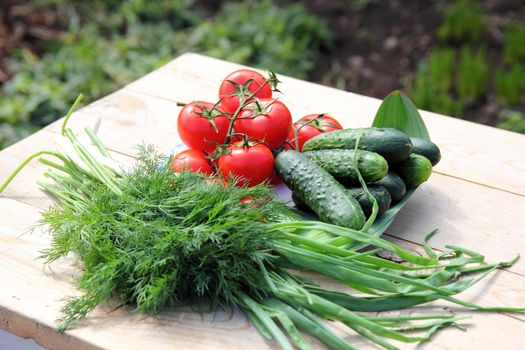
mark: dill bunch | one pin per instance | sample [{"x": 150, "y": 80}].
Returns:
[{"x": 166, "y": 239}]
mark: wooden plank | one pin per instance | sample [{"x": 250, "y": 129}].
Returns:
[
  {"x": 473, "y": 152},
  {"x": 26, "y": 311},
  {"x": 129, "y": 119},
  {"x": 23, "y": 187}
]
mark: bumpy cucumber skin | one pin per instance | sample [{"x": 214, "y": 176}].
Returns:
[
  {"x": 339, "y": 163},
  {"x": 319, "y": 190},
  {"x": 395, "y": 186},
  {"x": 426, "y": 149},
  {"x": 392, "y": 144},
  {"x": 415, "y": 170},
  {"x": 381, "y": 195}
]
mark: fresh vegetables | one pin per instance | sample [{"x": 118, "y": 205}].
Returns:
[
  {"x": 395, "y": 186},
  {"x": 380, "y": 194},
  {"x": 427, "y": 149},
  {"x": 202, "y": 126},
  {"x": 392, "y": 144},
  {"x": 310, "y": 126},
  {"x": 245, "y": 112},
  {"x": 250, "y": 164},
  {"x": 156, "y": 238},
  {"x": 319, "y": 190},
  {"x": 266, "y": 120},
  {"x": 415, "y": 170},
  {"x": 192, "y": 160},
  {"x": 245, "y": 82},
  {"x": 339, "y": 163}
]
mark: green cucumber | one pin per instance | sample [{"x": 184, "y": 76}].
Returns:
[
  {"x": 426, "y": 149},
  {"x": 381, "y": 195},
  {"x": 415, "y": 170},
  {"x": 339, "y": 163},
  {"x": 299, "y": 204},
  {"x": 395, "y": 185},
  {"x": 319, "y": 190},
  {"x": 392, "y": 144}
]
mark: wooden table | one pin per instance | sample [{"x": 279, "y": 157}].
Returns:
[{"x": 476, "y": 197}]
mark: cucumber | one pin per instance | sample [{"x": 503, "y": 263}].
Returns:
[
  {"x": 427, "y": 149},
  {"x": 392, "y": 144},
  {"x": 319, "y": 190},
  {"x": 415, "y": 170},
  {"x": 395, "y": 186},
  {"x": 381, "y": 195},
  {"x": 299, "y": 204},
  {"x": 339, "y": 163}
]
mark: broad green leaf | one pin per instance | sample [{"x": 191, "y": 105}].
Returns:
[
  {"x": 397, "y": 111},
  {"x": 381, "y": 224}
]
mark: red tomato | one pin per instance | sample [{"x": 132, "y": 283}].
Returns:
[
  {"x": 310, "y": 126},
  {"x": 231, "y": 103},
  {"x": 275, "y": 179},
  {"x": 196, "y": 129},
  {"x": 193, "y": 160},
  {"x": 246, "y": 200},
  {"x": 252, "y": 164},
  {"x": 271, "y": 127}
]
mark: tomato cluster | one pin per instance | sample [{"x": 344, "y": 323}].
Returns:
[{"x": 239, "y": 135}]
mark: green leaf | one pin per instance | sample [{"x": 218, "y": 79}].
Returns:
[
  {"x": 381, "y": 224},
  {"x": 397, "y": 111}
]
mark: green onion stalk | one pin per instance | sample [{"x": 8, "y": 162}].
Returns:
[{"x": 156, "y": 239}]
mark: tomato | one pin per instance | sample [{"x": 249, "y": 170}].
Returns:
[
  {"x": 231, "y": 103},
  {"x": 271, "y": 126},
  {"x": 246, "y": 200},
  {"x": 252, "y": 164},
  {"x": 193, "y": 160},
  {"x": 195, "y": 126},
  {"x": 310, "y": 126},
  {"x": 275, "y": 179}
]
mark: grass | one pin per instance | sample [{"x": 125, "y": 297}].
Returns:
[
  {"x": 463, "y": 21},
  {"x": 473, "y": 74},
  {"x": 459, "y": 75},
  {"x": 510, "y": 85},
  {"x": 433, "y": 81},
  {"x": 512, "y": 121},
  {"x": 514, "y": 47}
]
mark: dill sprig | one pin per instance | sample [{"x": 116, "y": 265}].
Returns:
[{"x": 167, "y": 239}]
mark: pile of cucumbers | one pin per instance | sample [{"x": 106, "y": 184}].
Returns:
[{"x": 324, "y": 179}]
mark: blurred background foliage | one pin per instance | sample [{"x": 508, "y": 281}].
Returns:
[{"x": 465, "y": 58}]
